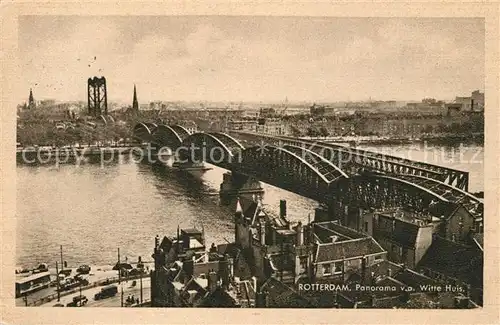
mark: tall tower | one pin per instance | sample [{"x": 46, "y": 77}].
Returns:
[
  {"x": 31, "y": 101},
  {"x": 97, "y": 96},
  {"x": 135, "y": 104}
]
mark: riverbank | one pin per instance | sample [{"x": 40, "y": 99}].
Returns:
[
  {"x": 439, "y": 139},
  {"x": 40, "y": 155}
]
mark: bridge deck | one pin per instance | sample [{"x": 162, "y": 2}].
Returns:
[{"x": 471, "y": 203}]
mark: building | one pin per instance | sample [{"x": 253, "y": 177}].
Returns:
[
  {"x": 466, "y": 102},
  {"x": 453, "y": 109},
  {"x": 186, "y": 274},
  {"x": 456, "y": 264},
  {"x": 250, "y": 114},
  {"x": 400, "y": 279},
  {"x": 317, "y": 110},
  {"x": 292, "y": 253},
  {"x": 477, "y": 101},
  {"x": 404, "y": 235},
  {"x": 271, "y": 126},
  {"x": 243, "y": 125}
]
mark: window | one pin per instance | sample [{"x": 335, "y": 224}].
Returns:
[
  {"x": 327, "y": 269},
  {"x": 366, "y": 226},
  {"x": 337, "y": 267},
  {"x": 303, "y": 263}
]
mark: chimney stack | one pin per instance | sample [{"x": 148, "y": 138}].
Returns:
[
  {"x": 282, "y": 208},
  {"x": 300, "y": 234},
  {"x": 188, "y": 266},
  {"x": 262, "y": 232},
  {"x": 212, "y": 281}
]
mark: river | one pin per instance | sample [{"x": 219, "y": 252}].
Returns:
[{"x": 93, "y": 210}]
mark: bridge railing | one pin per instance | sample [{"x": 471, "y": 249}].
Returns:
[{"x": 389, "y": 163}]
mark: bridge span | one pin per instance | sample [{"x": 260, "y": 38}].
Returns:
[
  {"x": 330, "y": 174},
  {"x": 358, "y": 158}
]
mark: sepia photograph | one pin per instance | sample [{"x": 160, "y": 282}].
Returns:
[{"x": 250, "y": 161}]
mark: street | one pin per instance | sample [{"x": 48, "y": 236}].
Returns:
[{"x": 115, "y": 301}]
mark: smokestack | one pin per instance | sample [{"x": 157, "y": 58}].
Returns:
[{"x": 282, "y": 208}]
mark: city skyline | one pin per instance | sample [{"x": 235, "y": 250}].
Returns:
[{"x": 252, "y": 59}]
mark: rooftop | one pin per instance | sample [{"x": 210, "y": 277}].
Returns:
[
  {"x": 354, "y": 248},
  {"x": 398, "y": 230},
  {"x": 326, "y": 232},
  {"x": 454, "y": 260},
  {"x": 406, "y": 216}
]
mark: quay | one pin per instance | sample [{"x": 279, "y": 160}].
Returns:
[{"x": 98, "y": 276}]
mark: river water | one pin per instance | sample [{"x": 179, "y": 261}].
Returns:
[{"x": 93, "y": 210}]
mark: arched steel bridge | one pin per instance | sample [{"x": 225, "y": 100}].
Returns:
[
  {"x": 354, "y": 158},
  {"x": 319, "y": 175}
]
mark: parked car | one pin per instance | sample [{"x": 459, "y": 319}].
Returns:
[
  {"x": 83, "y": 269},
  {"x": 78, "y": 301},
  {"x": 106, "y": 292}
]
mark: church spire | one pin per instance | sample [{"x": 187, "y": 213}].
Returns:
[
  {"x": 135, "y": 104},
  {"x": 31, "y": 100}
]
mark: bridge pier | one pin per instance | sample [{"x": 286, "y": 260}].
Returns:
[{"x": 236, "y": 185}]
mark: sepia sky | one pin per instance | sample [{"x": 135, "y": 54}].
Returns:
[{"x": 252, "y": 58}]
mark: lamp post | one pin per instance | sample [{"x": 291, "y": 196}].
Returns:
[
  {"x": 122, "y": 296},
  {"x": 141, "y": 284},
  {"x": 57, "y": 282},
  {"x": 119, "y": 267}
]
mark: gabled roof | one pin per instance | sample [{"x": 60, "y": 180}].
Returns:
[
  {"x": 454, "y": 260},
  {"x": 230, "y": 249},
  {"x": 166, "y": 244},
  {"x": 218, "y": 298},
  {"x": 254, "y": 211},
  {"x": 347, "y": 249}
]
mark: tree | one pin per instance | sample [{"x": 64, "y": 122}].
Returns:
[
  {"x": 295, "y": 131},
  {"x": 324, "y": 132},
  {"x": 312, "y": 132}
]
